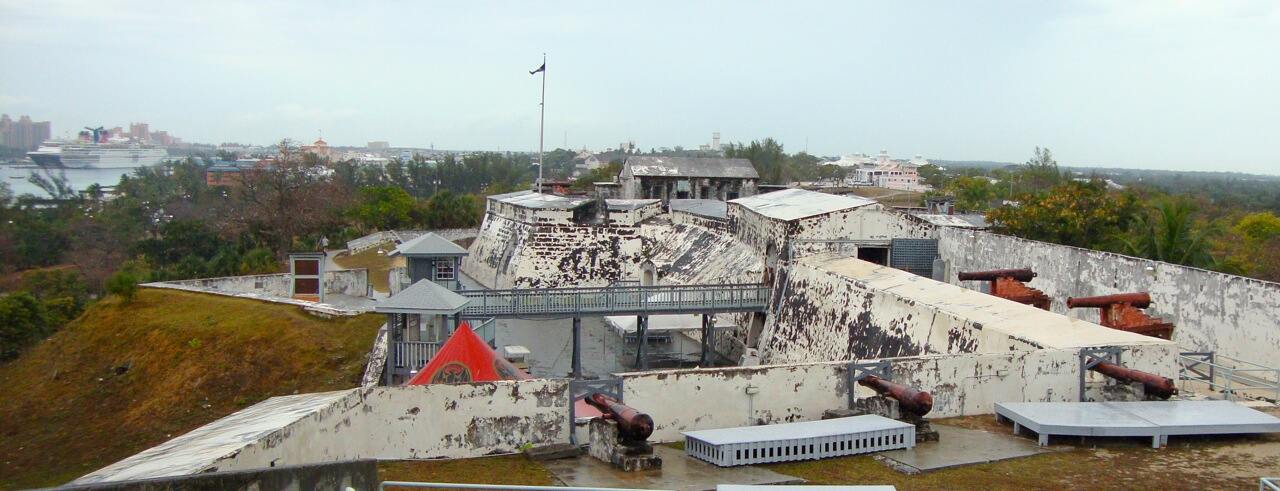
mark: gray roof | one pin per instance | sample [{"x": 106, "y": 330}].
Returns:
[
  {"x": 691, "y": 167},
  {"x": 423, "y": 297},
  {"x": 713, "y": 208},
  {"x": 794, "y": 204},
  {"x": 429, "y": 244},
  {"x": 530, "y": 199}
]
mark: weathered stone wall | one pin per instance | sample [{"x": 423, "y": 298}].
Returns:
[
  {"x": 697, "y": 399},
  {"x": 354, "y": 282},
  {"x": 685, "y": 218},
  {"x": 870, "y": 222},
  {"x": 842, "y": 308},
  {"x": 1231, "y": 315},
  {"x": 422, "y": 422},
  {"x": 513, "y": 254},
  {"x": 635, "y": 216},
  {"x": 410, "y": 422},
  {"x": 690, "y": 254}
]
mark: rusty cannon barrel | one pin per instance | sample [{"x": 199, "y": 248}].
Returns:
[
  {"x": 632, "y": 424},
  {"x": 1139, "y": 299},
  {"x": 1020, "y": 274},
  {"x": 1153, "y": 384},
  {"x": 914, "y": 401}
]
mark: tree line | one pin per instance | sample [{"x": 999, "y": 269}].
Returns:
[
  {"x": 166, "y": 223},
  {"x": 1186, "y": 225}
]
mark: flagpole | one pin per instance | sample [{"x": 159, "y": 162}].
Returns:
[{"x": 542, "y": 119}]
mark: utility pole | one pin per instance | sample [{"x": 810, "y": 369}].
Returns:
[{"x": 542, "y": 119}]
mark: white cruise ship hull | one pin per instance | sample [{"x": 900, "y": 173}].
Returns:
[{"x": 98, "y": 156}]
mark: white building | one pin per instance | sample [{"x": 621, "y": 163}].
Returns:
[{"x": 882, "y": 171}]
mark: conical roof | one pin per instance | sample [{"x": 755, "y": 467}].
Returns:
[{"x": 466, "y": 358}]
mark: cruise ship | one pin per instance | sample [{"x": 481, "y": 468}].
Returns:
[
  {"x": 96, "y": 151},
  {"x": 80, "y": 155}
]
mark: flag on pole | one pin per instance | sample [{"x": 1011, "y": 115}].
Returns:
[{"x": 542, "y": 68}]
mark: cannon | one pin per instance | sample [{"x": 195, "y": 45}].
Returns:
[
  {"x": 1153, "y": 384},
  {"x": 1121, "y": 311},
  {"x": 1140, "y": 300},
  {"x": 633, "y": 425},
  {"x": 1009, "y": 284},
  {"x": 910, "y": 400}
]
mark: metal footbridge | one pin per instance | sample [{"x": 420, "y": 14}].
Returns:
[{"x": 615, "y": 300}]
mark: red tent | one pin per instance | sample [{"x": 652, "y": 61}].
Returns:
[{"x": 466, "y": 358}]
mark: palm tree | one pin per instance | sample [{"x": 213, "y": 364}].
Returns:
[{"x": 1168, "y": 233}]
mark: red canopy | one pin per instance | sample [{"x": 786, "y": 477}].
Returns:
[{"x": 466, "y": 358}]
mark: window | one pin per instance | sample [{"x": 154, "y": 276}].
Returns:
[{"x": 444, "y": 269}]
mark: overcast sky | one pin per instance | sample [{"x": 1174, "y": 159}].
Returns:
[{"x": 1161, "y": 84}]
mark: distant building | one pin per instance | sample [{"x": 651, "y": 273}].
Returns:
[
  {"x": 231, "y": 174},
  {"x": 668, "y": 178},
  {"x": 23, "y": 134},
  {"x": 884, "y": 172},
  {"x": 140, "y": 132},
  {"x": 589, "y": 163},
  {"x": 319, "y": 148}
]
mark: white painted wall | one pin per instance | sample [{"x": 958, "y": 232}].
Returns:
[
  {"x": 1231, "y": 315},
  {"x": 830, "y": 308},
  {"x": 395, "y": 423},
  {"x": 967, "y": 384}
]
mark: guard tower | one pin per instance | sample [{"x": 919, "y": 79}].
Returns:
[
  {"x": 418, "y": 322},
  {"x": 434, "y": 258}
]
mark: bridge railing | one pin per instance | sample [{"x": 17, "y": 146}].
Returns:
[{"x": 617, "y": 299}]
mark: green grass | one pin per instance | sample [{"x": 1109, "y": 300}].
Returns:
[
  {"x": 504, "y": 469},
  {"x": 70, "y": 405},
  {"x": 379, "y": 265}
]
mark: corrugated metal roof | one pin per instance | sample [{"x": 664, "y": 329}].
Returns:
[
  {"x": 713, "y": 208},
  {"x": 423, "y": 297},
  {"x": 530, "y": 199},
  {"x": 429, "y": 244},
  {"x": 793, "y": 204},
  {"x": 691, "y": 167}
]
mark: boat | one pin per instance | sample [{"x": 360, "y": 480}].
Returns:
[{"x": 95, "y": 150}]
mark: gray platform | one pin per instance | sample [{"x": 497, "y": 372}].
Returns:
[
  {"x": 1156, "y": 419},
  {"x": 799, "y": 441}
]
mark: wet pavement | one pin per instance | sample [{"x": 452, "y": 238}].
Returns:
[
  {"x": 959, "y": 446},
  {"x": 678, "y": 472}
]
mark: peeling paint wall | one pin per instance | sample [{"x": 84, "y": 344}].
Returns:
[
  {"x": 421, "y": 422},
  {"x": 410, "y": 422},
  {"x": 841, "y": 308},
  {"x": 1231, "y": 315},
  {"x": 690, "y": 254},
  {"x": 685, "y": 218},
  {"x": 697, "y": 399},
  {"x": 870, "y": 222},
  {"x": 354, "y": 282},
  {"x": 515, "y": 254}
]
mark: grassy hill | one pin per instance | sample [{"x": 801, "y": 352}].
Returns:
[{"x": 123, "y": 378}]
